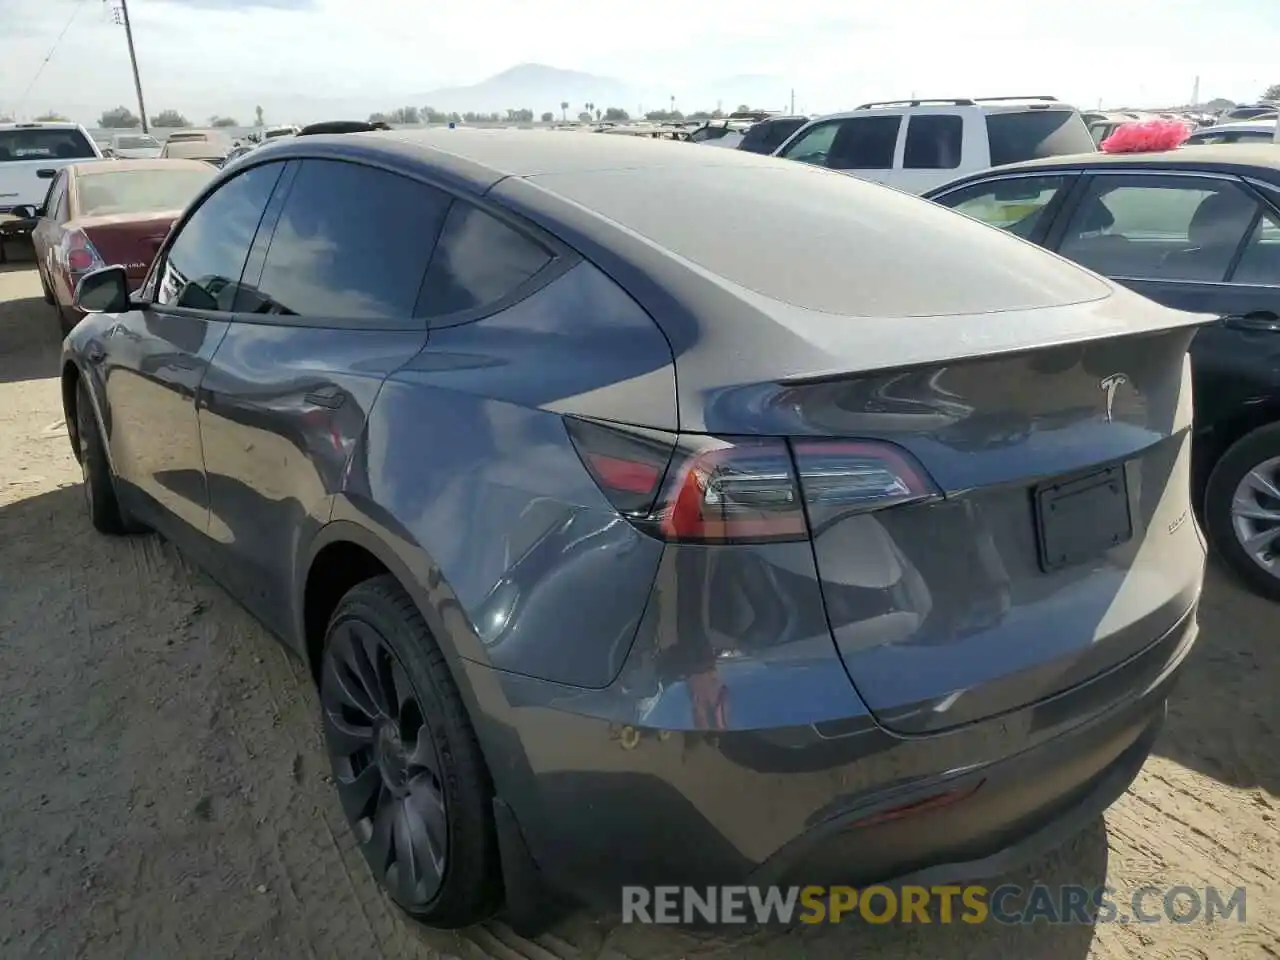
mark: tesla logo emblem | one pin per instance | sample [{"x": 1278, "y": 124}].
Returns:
[{"x": 1109, "y": 386}]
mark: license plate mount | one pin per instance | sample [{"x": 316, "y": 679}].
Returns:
[{"x": 1080, "y": 518}]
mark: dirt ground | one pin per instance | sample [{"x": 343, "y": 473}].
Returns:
[{"x": 163, "y": 790}]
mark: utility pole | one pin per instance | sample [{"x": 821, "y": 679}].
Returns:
[
  {"x": 793, "y": 101},
  {"x": 133, "y": 61},
  {"x": 1195, "y": 93}
]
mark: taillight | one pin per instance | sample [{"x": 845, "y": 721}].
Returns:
[
  {"x": 698, "y": 489},
  {"x": 79, "y": 254},
  {"x": 839, "y": 477}
]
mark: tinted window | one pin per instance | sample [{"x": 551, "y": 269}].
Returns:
[
  {"x": 1260, "y": 262},
  {"x": 851, "y": 249},
  {"x": 708, "y": 133},
  {"x": 1016, "y": 204},
  {"x": 857, "y": 143},
  {"x": 136, "y": 142},
  {"x": 1235, "y": 136},
  {"x": 933, "y": 142},
  {"x": 203, "y": 265},
  {"x": 478, "y": 261},
  {"x": 351, "y": 243},
  {"x": 139, "y": 191},
  {"x": 54, "y": 200},
  {"x": 1151, "y": 227},
  {"x": 769, "y": 135},
  {"x": 1027, "y": 135},
  {"x": 41, "y": 144}
]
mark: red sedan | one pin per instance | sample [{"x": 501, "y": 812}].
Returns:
[{"x": 107, "y": 212}]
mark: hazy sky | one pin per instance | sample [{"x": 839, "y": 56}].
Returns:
[{"x": 226, "y": 55}]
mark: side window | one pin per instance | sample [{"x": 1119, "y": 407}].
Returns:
[
  {"x": 864, "y": 143},
  {"x": 55, "y": 201},
  {"x": 203, "y": 265},
  {"x": 1148, "y": 227},
  {"x": 352, "y": 243},
  {"x": 812, "y": 145},
  {"x": 1260, "y": 262},
  {"x": 1017, "y": 204},
  {"x": 478, "y": 261},
  {"x": 933, "y": 142}
]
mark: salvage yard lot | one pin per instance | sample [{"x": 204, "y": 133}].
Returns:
[{"x": 163, "y": 790}]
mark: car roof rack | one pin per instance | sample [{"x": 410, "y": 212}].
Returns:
[
  {"x": 342, "y": 126},
  {"x": 942, "y": 101},
  {"x": 1038, "y": 96}
]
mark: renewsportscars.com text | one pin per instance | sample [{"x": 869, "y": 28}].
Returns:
[{"x": 1008, "y": 904}]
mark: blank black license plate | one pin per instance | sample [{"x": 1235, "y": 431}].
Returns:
[{"x": 1079, "y": 519}]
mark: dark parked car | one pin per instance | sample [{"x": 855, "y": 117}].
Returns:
[
  {"x": 107, "y": 212},
  {"x": 1198, "y": 229},
  {"x": 768, "y": 135},
  {"x": 628, "y": 546}
]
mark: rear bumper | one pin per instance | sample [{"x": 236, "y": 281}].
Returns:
[{"x": 601, "y": 805}]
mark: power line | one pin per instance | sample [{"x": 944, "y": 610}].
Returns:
[{"x": 52, "y": 50}]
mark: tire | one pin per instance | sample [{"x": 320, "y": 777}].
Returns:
[
  {"x": 405, "y": 760},
  {"x": 105, "y": 512},
  {"x": 65, "y": 323},
  {"x": 1258, "y": 451}
]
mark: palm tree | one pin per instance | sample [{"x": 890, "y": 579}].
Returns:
[{"x": 564, "y": 110}]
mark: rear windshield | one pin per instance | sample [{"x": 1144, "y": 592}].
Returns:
[
  {"x": 136, "y": 143},
  {"x": 271, "y": 134},
  {"x": 825, "y": 242},
  {"x": 186, "y": 137},
  {"x": 768, "y": 136},
  {"x": 1030, "y": 135},
  {"x": 44, "y": 145},
  {"x": 138, "y": 191}
]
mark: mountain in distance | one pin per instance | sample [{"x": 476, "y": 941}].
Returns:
[{"x": 535, "y": 87}]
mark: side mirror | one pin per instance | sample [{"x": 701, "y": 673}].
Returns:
[
  {"x": 103, "y": 291},
  {"x": 47, "y": 173},
  {"x": 25, "y": 211}
]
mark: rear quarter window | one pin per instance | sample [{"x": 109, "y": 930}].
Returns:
[{"x": 1020, "y": 135}]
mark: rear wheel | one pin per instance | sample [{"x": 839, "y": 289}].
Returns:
[
  {"x": 405, "y": 759},
  {"x": 1242, "y": 510},
  {"x": 105, "y": 512}
]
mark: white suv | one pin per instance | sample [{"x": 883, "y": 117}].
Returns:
[{"x": 915, "y": 145}]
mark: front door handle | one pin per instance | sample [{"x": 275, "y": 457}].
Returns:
[{"x": 1258, "y": 321}]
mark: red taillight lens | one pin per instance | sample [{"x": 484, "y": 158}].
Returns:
[
  {"x": 627, "y": 464},
  {"x": 839, "y": 477},
  {"x": 698, "y": 489},
  {"x": 79, "y": 253},
  {"x": 742, "y": 490}
]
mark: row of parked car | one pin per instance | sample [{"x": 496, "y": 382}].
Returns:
[{"x": 595, "y": 508}]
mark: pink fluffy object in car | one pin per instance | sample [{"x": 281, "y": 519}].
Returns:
[{"x": 1143, "y": 136}]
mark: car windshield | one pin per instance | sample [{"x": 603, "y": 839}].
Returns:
[
  {"x": 136, "y": 143},
  {"x": 1032, "y": 134},
  {"x": 37, "y": 144},
  {"x": 272, "y": 134},
  {"x": 138, "y": 191},
  {"x": 186, "y": 137}
]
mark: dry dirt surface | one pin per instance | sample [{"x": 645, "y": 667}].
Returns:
[{"x": 163, "y": 792}]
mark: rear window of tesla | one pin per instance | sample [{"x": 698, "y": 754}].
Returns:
[
  {"x": 44, "y": 145},
  {"x": 138, "y": 191},
  {"x": 826, "y": 241},
  {"x": 1033, "y": 134}
]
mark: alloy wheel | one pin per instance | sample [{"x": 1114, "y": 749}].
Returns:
[
  {"x": 385, "y": 763},
  {"x": 1255, "y": 515}
]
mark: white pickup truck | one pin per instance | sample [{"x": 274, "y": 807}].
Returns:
[{"x": 28, "y": 148}]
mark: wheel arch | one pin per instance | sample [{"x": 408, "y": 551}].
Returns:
[
  {"x": 70, "y": 403},
  {"x": 1223, "y": 435}
]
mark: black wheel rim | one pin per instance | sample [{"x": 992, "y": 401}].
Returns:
[{"x": 385, "y": 763}]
